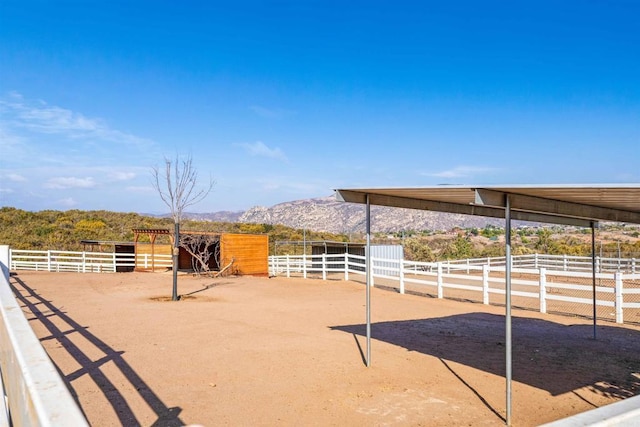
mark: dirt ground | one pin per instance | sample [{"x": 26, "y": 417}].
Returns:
[{"x": 261, "y": 352}]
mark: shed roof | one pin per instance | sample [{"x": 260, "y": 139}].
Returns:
[{"x": 579, "y": 205}]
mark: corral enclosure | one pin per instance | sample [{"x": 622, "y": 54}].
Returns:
[{"x": 258, "y": 351}]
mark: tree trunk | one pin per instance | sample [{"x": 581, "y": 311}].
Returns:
[{"x": 176, "y": 253}]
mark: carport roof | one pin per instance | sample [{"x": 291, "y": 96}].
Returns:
[{"x": 580, "y": 205}]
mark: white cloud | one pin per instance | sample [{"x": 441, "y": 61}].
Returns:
[
  {"x": 62, "y": 183},
  {"x": 462, "y": 172},
  {"x": 16, "y": 178},
  {"x": 7, "y": 138},
  {"x": 122, "y": 176},
  {"x": 6, "y": 190},
  {"x": 46, "y": 119},
  {"x": 259, "y": 149}
]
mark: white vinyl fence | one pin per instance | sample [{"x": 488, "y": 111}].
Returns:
[
  {"x": 545, "y": 283},
  {"x": 84, "y": 262},
  {"x": 33, "y": 392},
  {"x": 560, "y": 262}
]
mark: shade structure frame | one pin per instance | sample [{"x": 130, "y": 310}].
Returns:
[{"x": 583, "y": 206}]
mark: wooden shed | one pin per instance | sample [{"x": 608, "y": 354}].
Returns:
[{"x": 249, "y": 252}]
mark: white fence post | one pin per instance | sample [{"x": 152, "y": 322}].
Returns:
[
  {"x": 346, "y": 266},
  {"x": 84, "y": 262},
  {"x": 633, "y": 266},
  {"x": 304, "y": 266},
  {"x": 564, "y": 262},
  {"x": 5, "y": 261},
  {"x": 543, "y": 290},
  {"x": 288, "y": 266},
  {"x": 485, "y": 284},
  {"x": 324, "y": 266},
  {"x": 372, "y": 271},
  {"x": 401, "y": 273},
  {"x": 49, "y": 260},
  {"x": 535, "y": 260},
  {"x": 619, "y": 297},
  {"x": 440, "y": 280}
]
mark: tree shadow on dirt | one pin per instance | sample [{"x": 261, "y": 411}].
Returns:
[
  {"x": 546, "y": 355},
  {"x": 60, "y": 327}
]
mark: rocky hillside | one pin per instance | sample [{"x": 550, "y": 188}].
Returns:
[{"x": 327, "y": 214}]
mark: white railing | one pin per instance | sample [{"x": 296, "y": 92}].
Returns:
[
  {"x": 621, "y": 413},
  {"x": 33, "y": 391},
  {"x": 561, "y": 262},
  {"x": 84, "y": 262},
  {"x": 543, "y": 284}
]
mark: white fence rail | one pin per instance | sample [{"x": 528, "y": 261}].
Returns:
[
  {"x": 560, "y": 262},
  {"x": 33, "y": 392},
  {"x": 84, "y": 262},
  {"x": 544, "y": 283}
]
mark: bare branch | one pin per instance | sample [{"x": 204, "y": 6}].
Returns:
[
  {"x": 201, "y": 247},
  {"x": 177, "y": 185}
]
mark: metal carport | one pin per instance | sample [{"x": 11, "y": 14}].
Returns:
[{"x": 579, "y": 205}]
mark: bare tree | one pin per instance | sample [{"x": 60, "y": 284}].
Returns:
[
  {"x": 177, "y": 185},
  {"x": 201, "y": 247}
]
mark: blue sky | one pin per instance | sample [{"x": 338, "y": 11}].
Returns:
[{"x": 285, "y": 100}]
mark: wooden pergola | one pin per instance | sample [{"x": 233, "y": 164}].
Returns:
[{"x": 153, "y": 234}]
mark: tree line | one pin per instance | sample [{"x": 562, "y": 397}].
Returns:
[{"x": 64, "y": 230}]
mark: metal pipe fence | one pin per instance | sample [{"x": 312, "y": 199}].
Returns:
[{"x": 546, "y": 283}]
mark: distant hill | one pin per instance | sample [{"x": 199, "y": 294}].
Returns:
[
  {"x": 220, "y": 216},
  {"x": 329, "y": 215}
]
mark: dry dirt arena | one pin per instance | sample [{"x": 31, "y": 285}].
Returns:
[{"x": 262, "y": 352}]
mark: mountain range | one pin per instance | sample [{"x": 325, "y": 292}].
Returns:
[{"x": 329, "y": 215}]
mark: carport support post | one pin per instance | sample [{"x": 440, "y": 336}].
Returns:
[
  {"x": 368, "y": 280},
  {"x": 507, "y": 296},
  {"x": 593, "y": 275}
]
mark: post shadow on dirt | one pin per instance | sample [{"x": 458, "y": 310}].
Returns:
[
  {"x": 44, "y": 311},
  {"x": 547, "y": 355}
]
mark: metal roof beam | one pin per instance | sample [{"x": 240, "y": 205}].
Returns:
[
  {"x": 552, "y": 207},
  {"x": 456, "y": 208}
]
